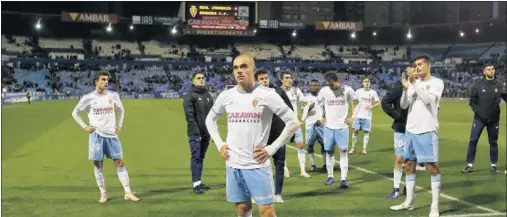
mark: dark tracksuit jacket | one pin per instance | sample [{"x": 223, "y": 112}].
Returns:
[
  {"x": 277, "y": 126},
  {"x": 197, "y": 104},
  {"x": 391, "y": 106},
  {"x": 485, "y": 98}
]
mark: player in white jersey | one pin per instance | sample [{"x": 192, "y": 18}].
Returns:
[
  {"x": 367, "y": 100},
  {"x": 422, "y": 98},
  {"x": 103, "y": 132},
  {"x": 250, "y": 110},
  {"x": 312, "y": 117},
  {"x": 295, "y": 95},
  {"x": 336, "y": 99}
]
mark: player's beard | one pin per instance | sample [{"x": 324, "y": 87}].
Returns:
[{"x": 314, "y": 91}]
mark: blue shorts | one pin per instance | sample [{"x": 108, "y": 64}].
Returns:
[
  {"x": 99, "y": 146},
  {"x": 340, "y": 137},
  {"x": 361, "y": 124},
  {"x": 299, "y": 136},
  {"x": 241, "y": 184},
  {"x": 422, "y": 148},
  {"x": 313, "y": 133},
  {"x": 399, "y": 144}
]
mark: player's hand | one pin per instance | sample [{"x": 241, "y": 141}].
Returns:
[
  {"x": 323, "y": 121},
  {"x": 404, "y": 81},
  {"x": 224, "y": 152},
  {"x": 117, "y": 131},
  {"x": 90, "y": 129},
  {"x": 367, "y": 107},
  {"x": 348, "y": 120},
  {"x": 261, "y": 155},
  {"x": 301, "y": 122}
]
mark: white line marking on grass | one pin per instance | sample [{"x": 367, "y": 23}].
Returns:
[
  {"x": 492, "y": 211},
  {"x": 476, "y": 214}
]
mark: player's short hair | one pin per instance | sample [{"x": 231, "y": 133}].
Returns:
[
  {"x": 366, "y": 77},
  {"x": 285, "y": 73},
  {"x": 100, "y": 74},
  {"x": 197, "y": 73},
  {"x": 427, "y": 59},
  {"x": 487, "y": 65},
  {"x": 315, "y": 80},
  {"x": 412, "y": 65},
  {"x": 258, "y": 73},
  {"x": 331, "y": 76}
]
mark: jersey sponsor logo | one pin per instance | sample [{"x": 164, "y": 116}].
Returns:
[
  {"x": 103, "y": 110},
  {"x": 333, "y": 102},
  {"x": 244, "y": 117}
]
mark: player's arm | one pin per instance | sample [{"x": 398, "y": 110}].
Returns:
[
  {"x": 474, "y": 97},
  {"x": 503, "y": 92},
  {"x": 121, "y": 111},
  {"x": 301, "y": 97},
  {"x": 276, "y": 105},
  {"x": 431, "y": 96},
  {"x": 352, "y": 100},
  {"x": 188, "y": 107},
  {"x": 211, "y": 120},
  {"x": 389, "y": 100},
  {"x": 82, "y": 105},
  {"x": 306, "y": 109},
  {"x": 320, "y": 102},
  {"x": 376, "y": 100}
]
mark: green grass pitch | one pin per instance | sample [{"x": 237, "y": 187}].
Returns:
[{"x": 45, "y": 171}]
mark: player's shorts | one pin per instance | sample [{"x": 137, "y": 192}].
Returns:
[
  {"x": 340, "y": 137},
  {"x": 99, "y": 146},
  {"x": 241, "y": 184},
  {"x": 399, "y": 144},
  {"x": 422, "y": 148},
  {"x": 313, "y": 133},
  {"x": 299, "y": 136},
  {"x": 361, "y": 124}
]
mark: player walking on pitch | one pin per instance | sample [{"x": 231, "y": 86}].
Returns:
[
  {"x": 295, "y": 95},
  {"x": 367, "y": 100},
  {"x": 336, "y": 99},
  {"x": 250, "y": 110},
  {"x": 391, "y": 105},
  {"x": 422, "y": 98},
  {"x": 312, "y": 117},
  {"x": 104, "y": 130}
]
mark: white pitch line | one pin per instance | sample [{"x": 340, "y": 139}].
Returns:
[
  {"x": 492, "y": 211},
  {"x": 477, "y": 214}
]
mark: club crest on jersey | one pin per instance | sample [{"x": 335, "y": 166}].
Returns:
[
  {"x": 427, "y": 87},
  {"x": 110, "y": 101},
  {"x": 255, "y": 102},
  {"x": 193, "y": 11}
]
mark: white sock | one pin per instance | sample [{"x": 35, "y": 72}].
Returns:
[
  {"x": 99, "y": 176},
  {"x": 397, "y": 173},
  {"x": 354, "y": 140},
  {"x": 493, "y": 165},
  {"x": 410, "y": 184},
  {"x": 124, "y": 178},
  {"x": 435, "y": 190},
  {"x": 330, "y": 165},
  {"x": 366, "y": 139},
  {"x": 312, "y": 158},
  {"x": 344, "y": 164},
  {"x": 197, "y": 183},
  {"x": 302, "y": 159},
  {"x": 286, "y": 168},
  {"x": 471, "y": 165}
]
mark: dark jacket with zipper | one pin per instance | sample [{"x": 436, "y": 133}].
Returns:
[
  {"x": 277, "y": 124},
  {"x": 197, "y": 104},
  {"x": 485, "y": 98},
  {"x": 391, "y": 106}
]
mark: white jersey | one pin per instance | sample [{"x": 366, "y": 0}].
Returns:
[
  {"x": 336, "y": 107},
  {"x": 249, "y": 118},
  {"x": 312, "y": 112},
  {"x": 295, "y": 95},
  {"x": 365, "y": 99},
  {"x": 422, "y": 99},
  {"x": 101, "y": 114}
]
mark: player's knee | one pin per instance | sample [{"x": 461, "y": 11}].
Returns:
[
  {"x": 244, "y": 208},
  {"x": 432, "y": 169},
  {"x": 356, "y": 131},
  {"x": 98, "y": 164},
  {"x": 267, "y": 210},
  {"x": 474, "y": 141},
  {"x": 310, "y": 149},
  {"x": 119, "y": 162},
  {"x": 300, "y": 145}
]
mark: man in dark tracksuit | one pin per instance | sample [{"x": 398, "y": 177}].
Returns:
[
  {"x": 391, "y": 106},
  {"x": 197, "y": 104},
  {"x": 277, "y": 126},
  {"x": 485, "y": 98}
]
